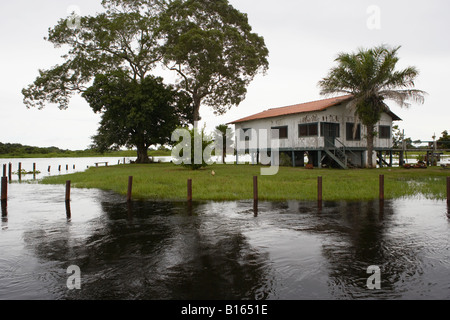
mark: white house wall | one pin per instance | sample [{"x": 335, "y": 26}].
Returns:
[{"x": 337, "y": 114}]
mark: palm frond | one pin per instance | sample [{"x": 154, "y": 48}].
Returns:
[
  {"x": 370, "y": 76},
  {"x": 401, "y": 79},
  {"x": 403, "y": 97}
]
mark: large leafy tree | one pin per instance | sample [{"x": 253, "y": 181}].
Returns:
[
  {"x": 211, "y": 47},
  {"x": 370, "y": 75},
  {"x": 136, "y": 113},
  {"x": 209, "y": 44},
  {"x": 120, "y": 39}
]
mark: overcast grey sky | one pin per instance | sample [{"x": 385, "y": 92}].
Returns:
[{"x": 303, "y": 38}]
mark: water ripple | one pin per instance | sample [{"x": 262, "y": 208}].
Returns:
[{"x": 220, "y": 250}]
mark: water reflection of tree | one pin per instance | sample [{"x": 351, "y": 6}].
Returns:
[
  {"x": 354, "y": 236},
  {"x": 154, "y": 251},
  {"x": 358, "y": 236}
]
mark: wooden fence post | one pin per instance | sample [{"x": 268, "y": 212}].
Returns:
[
  {"x": 4, "y": 190},
  {"x": 68, "y": 211},
  {"x": 68, "y": 191},
  {"x": 4, "y": 196},
  {"x": 4, "y": 170},
  {"x": 319, "y": 192},
  {"x": 255, "y": 195},
  {"x": 130, "y": 189},
  {"x": 10, "y": 172},
  {"x": 448, "y": 191},
  {"x": 189, "y": 190},
  {"x": 4, "y": 209},
  {"x": 381, "y": 187}
]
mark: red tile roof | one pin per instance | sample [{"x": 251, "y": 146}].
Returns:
[
  {"x": 319, "y": 105},
  {"x": 298, "y": 108}
]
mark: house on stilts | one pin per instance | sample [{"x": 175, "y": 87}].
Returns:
[{"x": 321, "y": 133}]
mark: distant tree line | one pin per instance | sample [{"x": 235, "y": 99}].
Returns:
[
  {"x": 444, "y": 141},
  {"x": 398, "y": 137},
  {"x": 17, "y": 148}
]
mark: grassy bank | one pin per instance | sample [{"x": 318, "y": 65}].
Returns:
[{"x": 231, "y": 182}]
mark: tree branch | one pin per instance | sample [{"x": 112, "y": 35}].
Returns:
[{"x": 180, "y": 72}]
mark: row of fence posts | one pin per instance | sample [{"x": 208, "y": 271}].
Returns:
[
  {"x": 9, "y": 171},
  {"x": 256, "y": 197},
  {"x": 4, "y": 193},
  {"x": 7, "y": 177},
  {"x": 19, "y": 172}
]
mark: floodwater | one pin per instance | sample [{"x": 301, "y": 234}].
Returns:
[
  {"x": 219, "y": 250},
  {"x": 58, "y": 166}
]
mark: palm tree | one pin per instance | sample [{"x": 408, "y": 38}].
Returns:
[
  {"x": 224, "y": 133},
  {"x": 370, "y": 76}
]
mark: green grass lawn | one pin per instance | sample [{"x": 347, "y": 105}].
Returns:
[{"x": 235, "y": 182}]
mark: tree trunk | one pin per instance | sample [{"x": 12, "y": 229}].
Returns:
[
  {"x": 370, "y": 136},
  {"x": 196, "y": 114},
  {"x": 142, "y": 155}
]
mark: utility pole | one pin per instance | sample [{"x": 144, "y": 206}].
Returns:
[{"x": 402, "y": 153}]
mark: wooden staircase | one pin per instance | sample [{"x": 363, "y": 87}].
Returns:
[{"x": 338, "y": 153}]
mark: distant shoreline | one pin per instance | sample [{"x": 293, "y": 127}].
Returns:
[{"x": 83, "y": 154}]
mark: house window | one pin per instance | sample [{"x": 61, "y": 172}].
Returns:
[
  {"x": 384, "y": 132},
  {"x": 282, "y": 132},
  {"x": 328, "y": 129},
  {"x": 350, "y": 134},
  {"x": 308, "y": 130},
  {"x": 246, "y": 134}
]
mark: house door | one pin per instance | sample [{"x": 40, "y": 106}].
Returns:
[{"x": 330, "y": 131}]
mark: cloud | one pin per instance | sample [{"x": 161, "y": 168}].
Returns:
[{"x": 303, "y": 37}]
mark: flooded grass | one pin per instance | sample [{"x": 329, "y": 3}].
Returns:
[{"x": 234, "y": 182}]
